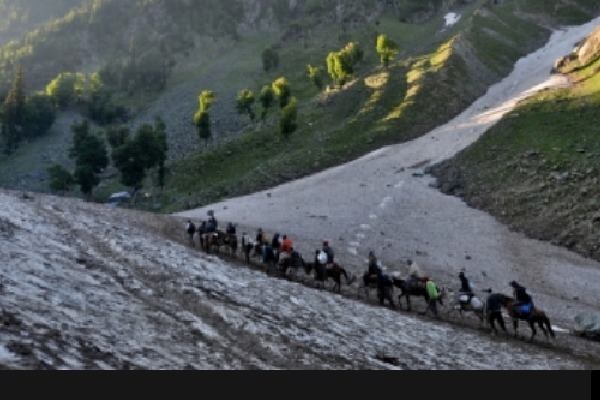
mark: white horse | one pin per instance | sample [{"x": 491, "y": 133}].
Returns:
[{"x": 461, "y": 303}]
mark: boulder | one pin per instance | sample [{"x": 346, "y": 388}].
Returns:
[{"x": 587, "y": 325}]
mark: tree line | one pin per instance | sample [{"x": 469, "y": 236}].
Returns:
[
  {"x": 23, "y": 117},
  {"x": 133, "y": 155}
]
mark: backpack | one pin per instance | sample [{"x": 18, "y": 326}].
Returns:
[{"x": 432, "y": 291}]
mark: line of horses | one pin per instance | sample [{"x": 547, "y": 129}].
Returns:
[
  {"x": 214, "y": 242},
  {"x": 471, "y": 304}
]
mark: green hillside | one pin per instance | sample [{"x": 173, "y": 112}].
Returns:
[
  {"x": 17, "y": 17},
  {"x": 537, "y": 170}
]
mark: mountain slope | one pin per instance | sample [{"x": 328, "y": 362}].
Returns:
[
  {"x": 537, "y": 170},
  {"x": 21, "y": 16},
  {"x": 440, "y": 70}
]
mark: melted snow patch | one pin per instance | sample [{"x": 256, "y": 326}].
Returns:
[{"x": 451, "y": 18}]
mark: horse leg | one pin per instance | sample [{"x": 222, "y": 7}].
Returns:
[
  {"x": 366, "y": 287},
  {"x": 389, "y": 294},
  {"x": 492, "y": 322},
  {"x": 543, "y": 328},
  {"x": 546, "y": 321},
  {"x": 515, "y": 326},
  {"x": 406, "y": 298},
  {"x": 380, "y": 296},
  {"x": 533, "y": 330},
  {"x": 247, "y": 250},
  {"x": 337, "y": 287}
]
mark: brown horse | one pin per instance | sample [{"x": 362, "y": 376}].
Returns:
[
  {"x": 408, "y": 289},
  {"x": 213, "y": 241},
  {"x": 535, "y": 317},
  {"x": 324, "y": 272},
  {"x": 229, "y": 240},
  {"x": 289, "y": 266}
]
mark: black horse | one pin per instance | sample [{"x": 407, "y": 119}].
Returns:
[
  {"x": 408, "y": 289},
  {"x": 324, "y": 272},
  {"x": 384, "y": 286},
  {"x": 536, "y": 316},
  {"x": 290, "y": 265}
]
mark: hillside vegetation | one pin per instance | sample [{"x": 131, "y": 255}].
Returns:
[
  {"x": 538, "y": 169},
  {"x": 439, "y": 70}
]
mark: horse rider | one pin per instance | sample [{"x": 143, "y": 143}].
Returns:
[
  {"x": 285, "y": 249},
  {"x": 494, "y": 311},
  {"x": 202, "y": 230},
  {"x": 212, "y": 220},
  {"x": 230, "y": 230},
  {"x": 258, "y": 241},
  {"x": 211, "y": 225},
  {"x": 524, "y": 303},
  {"x": 327, "y": 250},
  {"x": 373, "y": 268},
  {"x": 259, "y": 236},
  {"x": 465, "y": 287},
  {"x": 414, "y": 273},
  {"x": 276, "y": 244}
]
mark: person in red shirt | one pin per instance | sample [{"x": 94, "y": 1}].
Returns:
[{"x": 285, "y": 249}]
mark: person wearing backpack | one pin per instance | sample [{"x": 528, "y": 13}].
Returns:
[
  {"x": 432, "y": 297},
  {"x": 466, "y": 289},
  {"x": 524, "y": 302},
  {"x": 494, "y": 311}
]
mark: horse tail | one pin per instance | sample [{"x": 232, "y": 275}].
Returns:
[
  {"x": 343, "y": 272},
  {"x": 549, "y": 326}
]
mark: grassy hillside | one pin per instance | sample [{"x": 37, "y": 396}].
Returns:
[
  {"x": 432, "y": 80},
  {"x": 18, "y": 17},
  {"x": 537, "y": 170}
]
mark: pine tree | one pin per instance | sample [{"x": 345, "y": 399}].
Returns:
[{"x": 12, "y": 115}]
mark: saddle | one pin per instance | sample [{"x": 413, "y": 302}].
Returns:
[
  {"x": 416, "y": 285},
  {"x": 465, "y": 298},
  {"x": 523, "y": 311}
]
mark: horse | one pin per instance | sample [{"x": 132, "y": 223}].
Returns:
[
  {"x": 384, "y": 286},
  {"x": 408, "y": 289},
  {"x": 324, "y": 272},
  {"x": 463, "y": 304},
  {"x": 536, "y": 316},
  {"x": 292, "y": 263},
  {"x": 230, "y": 240},
  {"x": 212, "y": 242}
]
